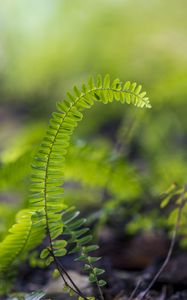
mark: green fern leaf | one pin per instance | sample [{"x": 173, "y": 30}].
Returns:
[{"x": 46, "y": 199}]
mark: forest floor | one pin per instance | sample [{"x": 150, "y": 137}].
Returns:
[{"x": 130, "y": 263}]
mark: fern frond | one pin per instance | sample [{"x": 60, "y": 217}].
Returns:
[
  {"x": 81, "y": 239},
  {"x": 46, "y": 203},
  {"x": 49, "y": 163},
  {"x": 23, "y": 237}
]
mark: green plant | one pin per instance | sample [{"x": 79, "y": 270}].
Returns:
[
  {"x": 179, "y": 198},
  {"x": 48, "y": 214}
]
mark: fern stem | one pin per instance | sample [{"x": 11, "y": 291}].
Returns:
[
  {"x": 100, "y": 292},
  {"x": 72, "y": 282},
  {"x": 75, "y": 289},
  {"x": 62, "y": 270},
  {"x": 97, "y": 284}
]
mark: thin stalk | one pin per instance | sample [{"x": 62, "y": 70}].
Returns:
[
  {"x": 70, "y": 279},
  {"x": 100, "y": 292},
  {"x": 97, "y": 283},
  {"x": 63, "y": 272},
  {"x": 173, "y": 241},
  {"x": 135, "y": 290}
]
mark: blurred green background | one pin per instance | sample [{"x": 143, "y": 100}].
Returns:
[{"x": 46, "y": 47}]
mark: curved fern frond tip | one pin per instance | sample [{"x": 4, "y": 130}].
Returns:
[
  {"x": 48, "y": 166},
  {"x": 46, "y": 199}
]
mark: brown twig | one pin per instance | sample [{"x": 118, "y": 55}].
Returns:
[
  {"x": 135, "y": 290},
  {"x": 173, "y": 241}
]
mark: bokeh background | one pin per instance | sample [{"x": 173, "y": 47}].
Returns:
[{"x": 46, "y": 47}]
